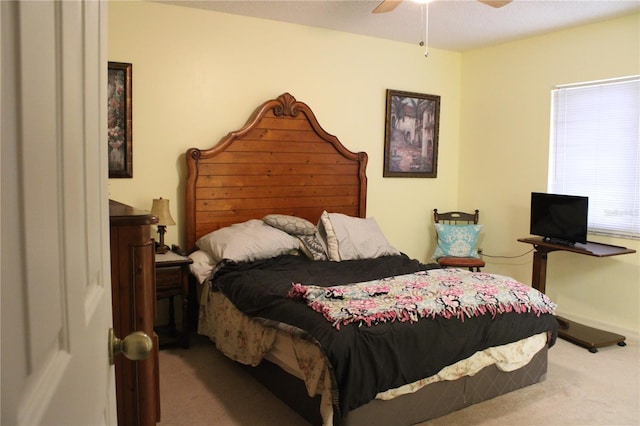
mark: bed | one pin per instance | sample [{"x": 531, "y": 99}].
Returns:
[{"x": 296, "y": 283}]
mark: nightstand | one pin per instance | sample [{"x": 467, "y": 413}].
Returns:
[{"x": 172, "y": 279}]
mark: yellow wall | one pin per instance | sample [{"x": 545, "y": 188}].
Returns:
[
  {"x": 198, "y": 75},
  {"x": 506, "y": 93}
]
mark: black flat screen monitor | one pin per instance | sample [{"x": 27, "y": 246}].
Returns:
[{"x": 559, "y": 218}]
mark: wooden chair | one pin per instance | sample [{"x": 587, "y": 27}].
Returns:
[{"x": 458, "y": 218}]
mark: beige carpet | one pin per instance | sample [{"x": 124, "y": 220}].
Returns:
[{"x": 199, "y": 386}]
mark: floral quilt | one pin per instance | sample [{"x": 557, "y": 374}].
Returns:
[{"x": 440, "y": 292}]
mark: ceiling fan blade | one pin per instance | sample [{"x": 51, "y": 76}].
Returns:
[
  {"x": 387, "y": 6},
  {"x": 495, "y": 3}
]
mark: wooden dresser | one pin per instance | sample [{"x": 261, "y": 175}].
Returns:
[{"x": 133, "y": 293}]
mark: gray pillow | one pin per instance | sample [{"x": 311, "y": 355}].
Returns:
[
  {"x": 312, "y": 247},
  {"x": 350, "y": 237},
  {"x": 250, "y": 240},
  {"x": 290, "y": 224}
]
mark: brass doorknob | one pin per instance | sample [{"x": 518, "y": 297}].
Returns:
[{"x": 136, "y": 346}]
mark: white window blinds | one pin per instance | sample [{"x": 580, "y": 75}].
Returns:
[{"x": 595, "y": 151}]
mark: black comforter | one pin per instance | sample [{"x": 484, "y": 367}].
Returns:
[{"x": 367, "y": 360}]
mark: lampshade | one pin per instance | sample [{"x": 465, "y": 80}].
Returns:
[{"x": 160, "y": 209}]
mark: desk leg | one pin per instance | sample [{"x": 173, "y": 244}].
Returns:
[{"x": 539, "y": 278}]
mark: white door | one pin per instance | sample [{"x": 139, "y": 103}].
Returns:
[{"x": 56, "y": 292}]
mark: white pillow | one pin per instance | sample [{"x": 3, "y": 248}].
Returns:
[
  {"x": 202, "y": 265},
  {"x": 355, "y": 238},
  {"x": 247, "y": 241}
]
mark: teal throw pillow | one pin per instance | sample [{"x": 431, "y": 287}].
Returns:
[{"x": 457, "y": 240}]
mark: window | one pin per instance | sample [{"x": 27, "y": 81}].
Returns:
[{"x": 595, "y": 151}]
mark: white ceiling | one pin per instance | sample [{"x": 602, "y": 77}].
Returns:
[{"x": 456, "y": 25}]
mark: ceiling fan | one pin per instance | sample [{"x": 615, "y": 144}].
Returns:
[{"x": 389, "y": 5}]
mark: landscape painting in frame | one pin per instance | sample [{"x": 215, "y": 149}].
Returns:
[
  {"x": 411, "y": 135},
  {"x": 119, "y": 120}
]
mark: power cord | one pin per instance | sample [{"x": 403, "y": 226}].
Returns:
[{"x": 482, "y": 253}]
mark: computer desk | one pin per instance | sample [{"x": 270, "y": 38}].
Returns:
[{"x": 585, "y": 336}]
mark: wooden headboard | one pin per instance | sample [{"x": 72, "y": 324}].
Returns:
[{"x": 281, "y": 161}]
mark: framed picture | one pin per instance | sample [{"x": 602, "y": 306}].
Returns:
[
  {"x": 411, "y": 135},
  {"x": 119, "y": 120}
]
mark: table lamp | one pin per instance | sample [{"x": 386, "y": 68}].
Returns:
[{"x": 160, "y": 209}]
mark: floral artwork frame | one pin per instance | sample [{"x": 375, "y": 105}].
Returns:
[
  {"x": 120, "y": 147},
  {"x": 411, "y": 134}
]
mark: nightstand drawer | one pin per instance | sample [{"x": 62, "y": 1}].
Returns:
[{"x": 168, "y": 278}]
